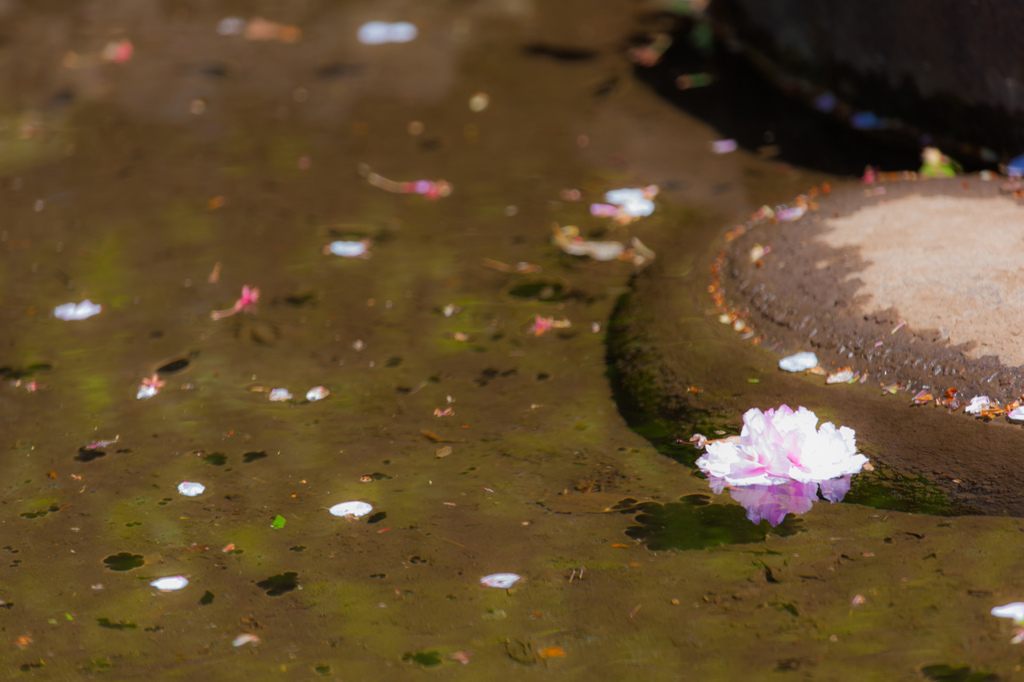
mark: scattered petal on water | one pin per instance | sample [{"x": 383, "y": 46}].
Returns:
[
  {"x": 349, "y": 249},
  {"x": 1014, "y": 610},
  {"x": 317, "y": 393},
  {"x": 353, "y": 509},
  {"x": 79, "y": 311},
  {"x": 170, "y": 584},
  {"x": 245, "y": 638},
  {"x": 1016, "y": 413},
  {"x": 191, "y": 489},
  {"x": 278, "y": 395},
  {"x": 460, "y": 657},
  {"x": 146, "y": 392},
  {"x": 799, "y": 362},
  {"x": 500, "y": 580},
  {"x": 381, "y": 32},
  {"x": 231, "y": 26}
]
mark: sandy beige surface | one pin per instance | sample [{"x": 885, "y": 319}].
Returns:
[{"x": 955, "y": 264}]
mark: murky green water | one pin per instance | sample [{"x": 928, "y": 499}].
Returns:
[{"x": 133, "y": 183}]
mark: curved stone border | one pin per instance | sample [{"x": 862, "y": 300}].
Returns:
[{"x": 777, "y": 283}]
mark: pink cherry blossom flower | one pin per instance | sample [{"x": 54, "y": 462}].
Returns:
[
  {"x": 781, "y": 445},
  {"x": 780, "y": 462},
  {"x": 246, "y": 303}
]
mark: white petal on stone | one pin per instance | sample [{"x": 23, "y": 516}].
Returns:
[
  {"x": 79, "y": 311},
  {"x": 146, "y": 391},
  {"x": 280, "y": 395},
  {"x": 723, "y": 146},
  {"x": 500, "y": 580},
  {"x": 1013, "y": 610},
  {"x": 190, "y": 489},
  {"x": 353, "y": 509},
  {"x": 170, "y": 584},
  {"x": 348, "y": 249},
  {"x": 978, "y": 404},
  {"x": 799, "y": 362},
  {"x": 317, "y": 393},
  {"x": 1017, "y": 413}
]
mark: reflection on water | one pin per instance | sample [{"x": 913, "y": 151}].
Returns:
[
  {"x": 772, "y": 503},
  {"x": 695, "y": 523}
]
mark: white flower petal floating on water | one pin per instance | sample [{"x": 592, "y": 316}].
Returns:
[
  {"x": 348, "y": 249},
  {"x": 381, "y": 32},
  {"x": 1014, "y": 610},
  {"x": 79, "y": 311},
  {"x": 170, "y": 583},
  {"x": 245, "y": 638},
  {"x": 280, "y": 395},
  {"x": 146, "y": 392},
  {"x": 1016, "y": 413},
  {"x": 317, "y": 393},
  {"x": 500, "y": 580},
  {"x": 979, "y": 404},
  {"x": 353, "y": 509},
  {"x": 634, "y": 202},
  {"x": 799, "y": 362},
  {"x": 231, "y": 26},
  {"x": 191, "y": 489}
]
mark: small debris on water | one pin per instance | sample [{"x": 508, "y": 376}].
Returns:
[
  {"x": 317, "y": 393},
  {"x": 545, "y": 324},
  {"x": 429, "y": 189},
  {"x": 278, "y": 395},
  {"x": 799, "y": 362},
  {"x": 479, "y": 102},
  {"x": 170, "y": 584},
  {"x": 77, "y": 311},
  {"x": 1016, "y": 413},
  {"x": 500, "y": 580},
  {"x": 259, "y": 29},
  {"x": 191, "y": 489},
  {"x": 353, "y": 510}
]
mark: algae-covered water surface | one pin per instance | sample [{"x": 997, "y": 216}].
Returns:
[{"x": 157, "y": 158}]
